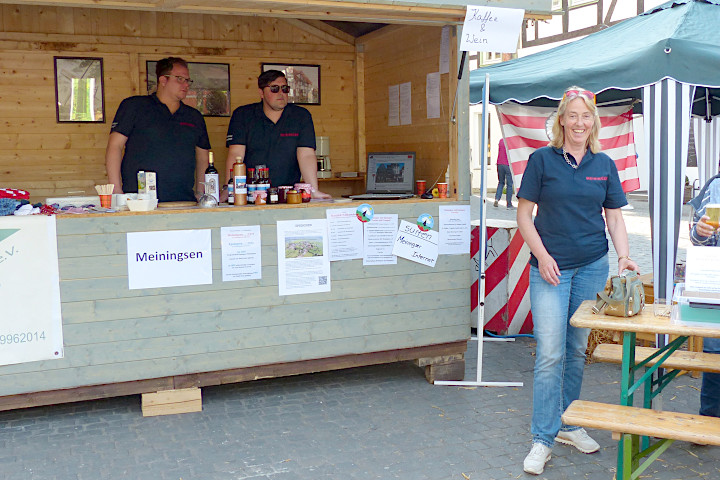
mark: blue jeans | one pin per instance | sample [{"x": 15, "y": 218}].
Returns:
[
  {"x": 504, "y": 177},
  {"x": 560, "y": 351},
  {"x": 710, "y": 392}
]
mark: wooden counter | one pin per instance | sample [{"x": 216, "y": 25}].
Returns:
[{"x": 120, "y": 341}]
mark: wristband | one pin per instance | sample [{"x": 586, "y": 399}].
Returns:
[{"x": 625, "y": 256}]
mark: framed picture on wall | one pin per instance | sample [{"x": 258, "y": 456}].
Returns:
[
  {"x": 303, "y": 80},
  {"x": 79, "y": 94},
  {"x": 209, "y": 91}
]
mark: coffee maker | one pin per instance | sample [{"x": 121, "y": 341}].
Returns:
[{"x": 322, "y": 152}]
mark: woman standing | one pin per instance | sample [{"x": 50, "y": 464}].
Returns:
[{"x": 571, "y": 182}]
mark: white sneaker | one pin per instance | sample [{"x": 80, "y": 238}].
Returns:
[
  {"x": 537, "y": 458},
  {"x": 578, "y": 439}
]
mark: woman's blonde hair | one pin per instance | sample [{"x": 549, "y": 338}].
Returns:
[{"x": 593, "y": 141}]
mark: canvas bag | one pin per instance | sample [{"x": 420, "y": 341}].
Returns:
[{"x": 624, "y": 296}]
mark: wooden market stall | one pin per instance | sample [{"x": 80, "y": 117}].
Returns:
[{"x": 120, "y": 341}]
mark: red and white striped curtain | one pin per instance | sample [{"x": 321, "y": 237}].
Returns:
[{"x": 526, "y": 129}]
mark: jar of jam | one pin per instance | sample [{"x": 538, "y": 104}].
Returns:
[
  {"x": 305, "y": 190},
  {"x": 282, "y": 193},
  {"x": 273, "y": 196},
  {"x": 293, "y": 197}
]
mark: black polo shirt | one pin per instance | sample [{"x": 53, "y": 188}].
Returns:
[
  {"x": 272, "y": 144},
  {"x": 570, "y": 204},
  {"x": 160, "y": 142}
]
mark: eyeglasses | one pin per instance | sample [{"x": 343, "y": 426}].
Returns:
[
  {"x": 277, "y": 88},
  {"x": 570, "y": 94},
  {"x": 181, "y": 80}
]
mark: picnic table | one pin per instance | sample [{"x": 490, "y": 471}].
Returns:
[{"x": 633, "y": 426}]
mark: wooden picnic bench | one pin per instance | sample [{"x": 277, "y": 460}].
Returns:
[{"x": 634, "y": 427}]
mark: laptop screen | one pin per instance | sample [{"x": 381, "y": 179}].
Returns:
[{"x": 391, "y": 172}]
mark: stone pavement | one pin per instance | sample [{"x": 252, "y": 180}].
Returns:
[{"x": 380, "y": 422}]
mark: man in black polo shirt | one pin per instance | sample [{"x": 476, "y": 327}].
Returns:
[
  {"x": 159, "y": 133},
  {"x": 274, "y": 133}
]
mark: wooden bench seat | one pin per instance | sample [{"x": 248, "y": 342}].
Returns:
[
  {"x": 679, "y": 360},
  {"x": 643, "y": 421}
]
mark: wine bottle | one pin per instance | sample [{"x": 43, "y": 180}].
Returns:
[
  {"x": 251, "y": 186},
  {"x": 212, "y": 180},
  {"x": 240, "y": 180}
]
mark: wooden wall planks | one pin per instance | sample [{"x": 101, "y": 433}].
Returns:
[
  {"x": 113, "y": 334},
  {"x": 51, "y": 159},
  {"x": 396, "y": 55}
]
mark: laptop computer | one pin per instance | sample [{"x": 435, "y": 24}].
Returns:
[{"x": 390, "y": 176}]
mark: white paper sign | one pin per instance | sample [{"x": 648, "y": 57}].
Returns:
[
  {"x": 303, "y": 258},
  {"x": 170, "y": 258},
  {"x": 432, "y": 95},
  {"x": 491, "y": 29},
  {"x": 454, "y": 229},
  {"x": 416, "y": 245},
  {"x": 702, "y": 269},
  {"x": 30, "y": 319},
  {"x": 241, "y": 253},
  {"x": 406, "y": 103},
  {"x": 345, "y": 234},
  {"x": 393, "y": 105},
  {"x": 444, "y": 66},
  {"x": 380, "y": 233}
]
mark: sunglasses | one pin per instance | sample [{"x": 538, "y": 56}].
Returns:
[
  {"x": 570, "y": 94},
  {"x": 277, "y": 88}
]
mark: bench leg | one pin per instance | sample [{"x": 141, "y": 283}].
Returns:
[{"x": 629, "y": 456}]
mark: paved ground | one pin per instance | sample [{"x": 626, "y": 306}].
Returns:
[{"x": 382, "y": 422}]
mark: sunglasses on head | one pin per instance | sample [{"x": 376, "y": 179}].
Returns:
[
  {"x": 277, "y": 88},
  {"x": 570, "y": 94}
]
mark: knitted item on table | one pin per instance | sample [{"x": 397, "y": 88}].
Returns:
[{"x": 8, "y": 206}]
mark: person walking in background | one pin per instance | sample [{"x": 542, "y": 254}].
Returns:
[
  {"x": 702, "y": 233},
  {"x": 571, "y": 182},
  {"x": 504, "y": 176}
]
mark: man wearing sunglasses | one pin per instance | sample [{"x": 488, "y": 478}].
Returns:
[
  {"x": 159, "y": 133},
  {"x": 275, "y": 133}
]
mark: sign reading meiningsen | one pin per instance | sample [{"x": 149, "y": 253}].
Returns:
[
  {"x": 491, "y": 29},
  {"x": 170, "y": 258}
]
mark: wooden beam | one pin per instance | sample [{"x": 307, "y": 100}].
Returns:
[{"x": 341, "y": 37}]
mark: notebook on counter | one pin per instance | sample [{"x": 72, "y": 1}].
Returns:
[{"x": 390, "y": 176}]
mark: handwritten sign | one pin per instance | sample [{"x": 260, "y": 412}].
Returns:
[
  {"x": 416, "y": 245},
  {"x": 491, "y": 29}
]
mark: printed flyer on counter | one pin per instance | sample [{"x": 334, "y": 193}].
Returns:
[
  {"x": 30, "y": 319},
  {"x": 345, "y": 233},
  {"x": 241, "y": 253},
  {"x": 303, "y": 257},
  {"x": 379, "y": 240}
]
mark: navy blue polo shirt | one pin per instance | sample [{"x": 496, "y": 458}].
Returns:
[
  {"x": 570, "y": 203},
  {"x": 162, "y": 142},
  {"x": 272, "y": 144}
]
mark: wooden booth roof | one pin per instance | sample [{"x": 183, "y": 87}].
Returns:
[{"x": 428, "y": 12}]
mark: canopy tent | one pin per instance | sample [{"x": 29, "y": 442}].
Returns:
[{"x": 668, "y": 60}]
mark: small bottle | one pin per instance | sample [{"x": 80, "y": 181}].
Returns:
[
  {"x": 251, "y": 186},
  {"x": 273, "y": 197},
  {"x": 240, "y": 181},
  {"x": 231, "y": 192},
  {"x": 212, "y": 179}
]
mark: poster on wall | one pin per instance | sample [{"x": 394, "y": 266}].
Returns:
[
  {"x": 170, "y": 258},
  {"x": 303, "y": 256},
  {"x": 30, "y": 322}
]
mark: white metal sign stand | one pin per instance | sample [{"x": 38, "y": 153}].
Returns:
[{"x": 481, "y": 283}]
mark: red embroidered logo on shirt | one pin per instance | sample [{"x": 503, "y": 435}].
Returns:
[
  {"x": 186, "y": 124},
  {"x": 600, "y": 179},
  {"x": 289, "y": 134}
]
